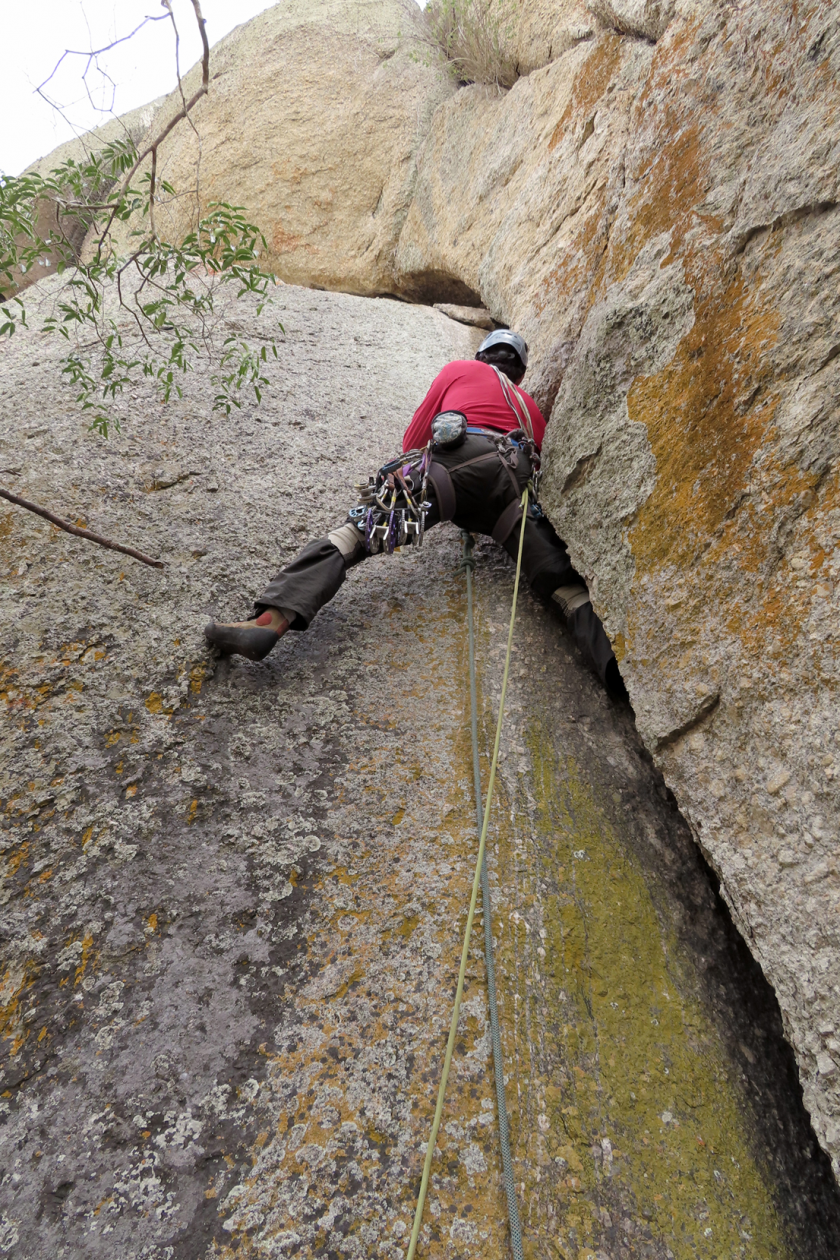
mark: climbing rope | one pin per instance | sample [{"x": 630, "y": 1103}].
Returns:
[
  {"x": 479, "y": 879},
  {"x": 490, "y": 966}
]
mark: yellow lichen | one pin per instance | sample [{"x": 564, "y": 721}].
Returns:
[{"x": 641, "y": 1095}]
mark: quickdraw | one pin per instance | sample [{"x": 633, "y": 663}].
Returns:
[{"x": 392, "y": 506}]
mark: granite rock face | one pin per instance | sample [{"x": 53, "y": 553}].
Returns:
[
  {"x": 314, "y": 118},
  {"x": 643, "y": 19},
  {"x": 516, "y": 194},
  {"x": 656, "y": 210},
  {"x": 535, "y": 33},
  {"x": 233, "y": 893},
  {"x": 694, "y": 464}
]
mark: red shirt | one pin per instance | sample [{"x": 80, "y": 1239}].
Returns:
[{"x": 471, "y": 386}]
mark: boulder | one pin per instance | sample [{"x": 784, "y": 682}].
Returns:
[
  {"x": 536, "y": 32},
  {"x": 517, "y": 191},
  {"x": 131, "y": 126},
  {"x": 233, "y": 893},
  {"x": 316, "y": 112}
]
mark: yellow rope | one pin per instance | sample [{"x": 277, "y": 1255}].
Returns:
[{"x": 459, "y": 991}]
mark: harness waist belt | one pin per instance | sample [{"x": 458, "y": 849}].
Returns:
[{"x": 491, "y": 433}]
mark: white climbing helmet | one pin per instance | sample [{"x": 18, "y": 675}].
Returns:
[{"x": 504, "y": 337}]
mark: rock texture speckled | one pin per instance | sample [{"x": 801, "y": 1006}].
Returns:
[{"x": 233, "y": 892}]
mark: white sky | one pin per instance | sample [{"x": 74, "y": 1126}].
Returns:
[{"x": 34, "y": 34}]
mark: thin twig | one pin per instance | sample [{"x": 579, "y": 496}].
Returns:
[
  {"x": 91, "y": 56},
  {"x": 76, "y": 529},
  {"x": 168, "y": 5},
  {"x": 152, "y": 189},
  {"x": 89, "y": 205},
  {"x": 182, "y": 113},
  {"x": 95, "y": 52}
]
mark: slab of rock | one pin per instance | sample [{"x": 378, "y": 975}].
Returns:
[
  {"x": 313, "y": 121},
  {"x": 694, "y": 468},
  {"x": 233, "y": 893},
  {"x": 477, "y": 316}
]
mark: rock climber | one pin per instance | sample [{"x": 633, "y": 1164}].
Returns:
[{"x": 471, "y": 447}]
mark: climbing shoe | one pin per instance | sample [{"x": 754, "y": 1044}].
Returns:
[
  {"x": 253, "y": 639},
  {"x": 255, "y": 642}
]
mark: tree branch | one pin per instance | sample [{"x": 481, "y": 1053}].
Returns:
[
  {"x": 153, "y": 146},
  {"x": 91, "y": 56},
  {"x": 76, "y": 529}
]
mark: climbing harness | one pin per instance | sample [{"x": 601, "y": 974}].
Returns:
[
  {"x": 516, "y": 403},
  {"x": 392, "y": 506},
  {"x": 480, "y": 879}
]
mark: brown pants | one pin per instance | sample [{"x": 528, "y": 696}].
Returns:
[{"x": 485, "y": 487}]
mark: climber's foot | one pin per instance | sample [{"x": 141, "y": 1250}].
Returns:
[{"x": 253, "y": 639}]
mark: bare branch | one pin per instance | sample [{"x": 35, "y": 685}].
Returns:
[
  {"x": 94, "y": 52},
  {"x": 152, "y": 148},
  {"x": 88, "y": 205},
  {"x": 91, "y": 56},
  {"x": 168, "y": 4},
  {"x": 76, "y": 529}
]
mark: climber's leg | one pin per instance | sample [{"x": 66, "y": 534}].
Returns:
[
  {"x": 311, "y": 580},
  {"x": 297, "y": 593},
  {"x": 588, "y": 633},
  {"x": 485, "y": 491},
  {"x": 551, "y": 574},
  {"x": 254, "y": 638},
  {"x": 294, "y": 597}
]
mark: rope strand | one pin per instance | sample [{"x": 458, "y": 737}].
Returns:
[
  {"x": 459, "y": 990},
  {"x": 490, "y": 966}
]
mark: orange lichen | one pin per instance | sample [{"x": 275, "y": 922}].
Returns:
[
  {"x": 155, "y": 704},
  {"x": 16, "y": 981},
  {"x": 594, "y": 77},
  {"x": 197, "y": 676},
  {"x": 86, "y": 958},
  {"x": 702, "y": 435}
]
